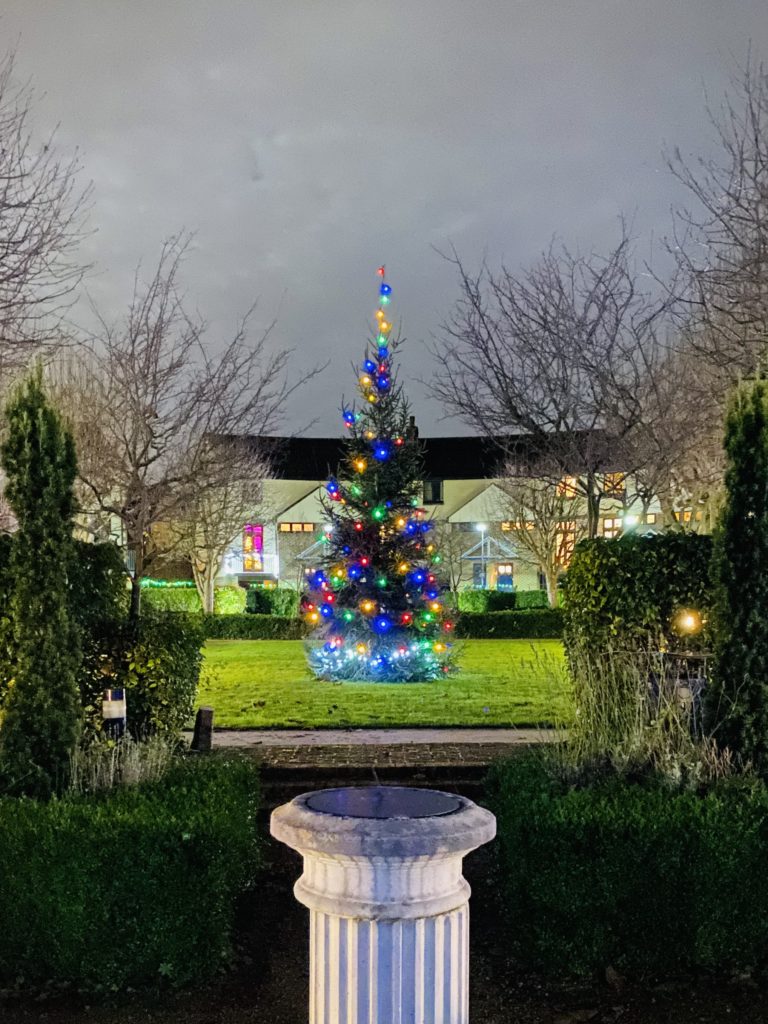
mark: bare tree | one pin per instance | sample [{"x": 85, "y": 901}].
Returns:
[
  {"x": 42, "y": 212},
  {"x": 451, "y": 543},
  {"x": 149, "y": 399},
  {"x": 558, "y": 353},
  {"x": 547, "y": 521},
  {"x": 215, "y": 513},
  {"x": 720, "y": 242}
]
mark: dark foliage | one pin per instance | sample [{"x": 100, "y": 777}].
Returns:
[
  {"x": 42, "y": 714},
  {"x": 134, "y": 888},
  {"x": 737, "y": 701},
  {"x": 636, "y": 876}
]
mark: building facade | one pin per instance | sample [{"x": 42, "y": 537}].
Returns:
[{"x": 463, "y": 490}]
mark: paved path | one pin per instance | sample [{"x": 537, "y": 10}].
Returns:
[
  {"x": 310, "y": 749},
  {"x": 252, "y": 738}
]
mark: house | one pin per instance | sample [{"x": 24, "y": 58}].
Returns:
[{"x": 461, "y": 490}]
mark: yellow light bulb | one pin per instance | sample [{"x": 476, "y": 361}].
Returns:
[
  {"x": 368, "y": 607},
  {"x": 403, "y": 567},
  {"x": 439, "y": 647},
  {"x": 313, "y": 617},
  {"x": 371, "y": 398},
  {"x": 360, "y": 465},
  {"x": 361, "y": 649},
  {"x": 401, "y": 522},
  {"x": 384, "y": 326},
  {"x": 366, "y": 381},
  {"x": 435, "y": 606},
  {"x": 379, "y": 314}
]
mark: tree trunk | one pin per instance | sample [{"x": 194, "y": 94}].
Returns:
[
  {"x": 135, "y": 607},
  {"x": 209, "y": 592},
  {"x": 593, "y": 508},
  {"x": 550, "y": 577}
]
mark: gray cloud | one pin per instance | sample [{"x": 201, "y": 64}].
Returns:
[{"x": 307, "y": 142}]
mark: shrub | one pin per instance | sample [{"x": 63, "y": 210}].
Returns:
[
  {"x": 42, "y": 715},
  {"x": 535, "y": 624},
  {"x": 175, "y": 598},
  {"x": 253, "y": 627},
  {"x": 99, "y": 584},
  {"x": 229, "y": 600},
  {"x": 134, "y": 888},
  {"x": 157, "y": 663},
  {"x": 621, "y": 597},
  {"x": 624, "y": 593},
  {"x": 272, "y": 601},
  {"x": 171, "y": 598},
  {"x": 737, "y": 701},
  {"x": 499, "y": 600},
  {"x": 636, "y": 876}
]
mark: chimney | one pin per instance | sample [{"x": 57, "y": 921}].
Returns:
[{"x": 412, "y": 432}]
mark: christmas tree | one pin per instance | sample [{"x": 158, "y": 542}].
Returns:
[{"x": 375, "y": 599}]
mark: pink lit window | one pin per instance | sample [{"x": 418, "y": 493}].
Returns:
[{"x": 253, "y": 547}]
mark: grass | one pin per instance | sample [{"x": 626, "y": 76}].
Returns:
[{"x": 266, "y": 684}]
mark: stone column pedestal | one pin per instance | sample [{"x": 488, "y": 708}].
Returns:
[{"x": 389, "y": 915}]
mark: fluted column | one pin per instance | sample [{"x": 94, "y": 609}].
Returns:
[{"x": 389, "y": 914}]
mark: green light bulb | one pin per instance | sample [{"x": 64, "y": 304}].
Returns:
[
  {"x": 379, "y": 513},
  {"x": 382, "y": 581}
]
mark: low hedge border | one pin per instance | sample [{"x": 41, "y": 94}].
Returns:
[
  {"x": 639, "y": 876},
  {"x": 135, "y": 888},
  {"x": 249, "y": 626},
  {"x": 535, "y": 624}
]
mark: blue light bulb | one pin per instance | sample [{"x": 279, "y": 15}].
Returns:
[
  {"x": 382, "y": 382},
  {"x": 385, "y": 290},
  {"x": 369, "y": 366}
]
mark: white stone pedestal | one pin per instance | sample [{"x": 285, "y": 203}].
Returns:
[{"x": 389, "y": 915}]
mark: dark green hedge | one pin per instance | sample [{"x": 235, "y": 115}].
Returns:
[
  {"x": 634, "y": 876},
  {"x": 624, "y": 593},
  {"x": 536, "y": 624},
  {"x": 158, "y": 664},
  {"x": 136, "y": 888},
  {"x": 497, "y": 600},
  {"x": 541, "y": 624},
  {"x": 272, "y": 601},
  {"x": 253, "y": 627}
]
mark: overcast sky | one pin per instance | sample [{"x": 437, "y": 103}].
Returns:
[{"x": 307, "y": 142}]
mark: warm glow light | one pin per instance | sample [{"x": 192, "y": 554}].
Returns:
[
  {"x": 360, "y": 465},
  {"x": 368, "y": 607},
  {"x": 403, "y": 567},
  {"x": 688, "y": 621},
  {"x": 435, "y": 606}
]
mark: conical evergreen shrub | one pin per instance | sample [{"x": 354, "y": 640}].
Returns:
[{"x": 42, "y": 715}]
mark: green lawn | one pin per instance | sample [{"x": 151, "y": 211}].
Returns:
[{"x": 266, "y": 683}]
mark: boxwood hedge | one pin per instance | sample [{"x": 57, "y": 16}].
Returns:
[{"x": 134, "y": 888}]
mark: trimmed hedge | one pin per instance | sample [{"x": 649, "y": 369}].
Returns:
[
  {"x": 536, "y": 624},
  {"x": 541, "y": 624},
  {"x": 497, "y": 600},
  {"x": 633, "y": 876},
  {"x": 227, "y": 600},
  {"x": 135, "y": 888},
  {"x": 159, "y": 666},
  {"x": 623, "y": 593},
  {"x": 253, "y": 627},
  {"x": 272, "y": 601}
]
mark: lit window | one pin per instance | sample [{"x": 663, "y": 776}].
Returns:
[
  {"x": 253, "y": 547},
  {"x": 512, "y": 525},
  {"x": 296, "y": 527},
  {"x": 615, "y": 485},
  {"x": 568, "y": 487},
  {"x": 650, "y": 518},
  {"x": 504, "y": 569},
  {"x": 612, "y": 527}
]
